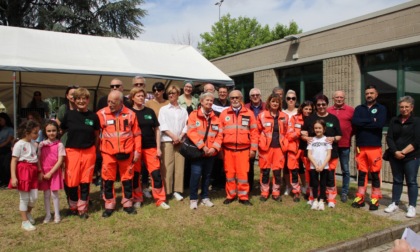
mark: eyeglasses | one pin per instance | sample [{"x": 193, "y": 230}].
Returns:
[
  {"x": 115, "y": 86},
  {"x": 172, "y": 93},
  {"x": 234, "y": 97},
  {"x": 139, "y": 84},
  {"x": 255, "y": 95},
  {"x": 321, "y": 104},
  {"x": 291, "y": 98},
  {"x": 157, "y": 90}
]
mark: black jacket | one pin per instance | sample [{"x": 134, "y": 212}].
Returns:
[{"x": 400, "y": 135}]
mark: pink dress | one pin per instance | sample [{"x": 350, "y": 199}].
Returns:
[{"x": 49, "y": 153}]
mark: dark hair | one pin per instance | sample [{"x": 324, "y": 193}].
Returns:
[
  {"x": 7, "y": 119},
  {"x": 66, "y": 101},
  {"x": 370, "y": 87},
  {"x": 159, "y": 86},
  {"x": 33, "y": 102},
  {"x": 305, "y": 104},
  {"x": 322, "y": 122},
  {"x": 321, "y": 97},
  {"x": 224, "y": 86},
  {"x": 270, "y": 97},
  {"x": 37, "y": 117},
  {"x": 53, "y": 123},
  {"x": 26, "y": 128}
]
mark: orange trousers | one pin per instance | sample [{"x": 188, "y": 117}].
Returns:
[
  {"x": 274, "y": 159},
  {"x": 236, "y": 168},
  {"x": 369, "y": 159}
]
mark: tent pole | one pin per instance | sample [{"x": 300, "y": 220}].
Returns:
[
  {"x": 95, "y": 97},
  {"x": 14, "y": 105}
]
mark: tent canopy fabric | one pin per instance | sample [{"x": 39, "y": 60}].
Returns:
[{"x": 50, "y": 61}]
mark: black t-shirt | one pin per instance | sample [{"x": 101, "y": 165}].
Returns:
[
  {"x": 148, "y": 122},
  {"x": 81, "y": 127},
  {"x": 103, "y": 102},
  {"x": 333, "y": 128}
]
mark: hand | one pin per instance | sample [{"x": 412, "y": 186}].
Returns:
[
  {"x": 330, "y": 140},
  {"x": 399, "y": 155},
  {"x": 158, "y": 153},
  {"x": 211, "y": 152},
  {"x": 136, "y": 157},
  {"x": 309, "y": 140},
  {"x": 47, "y": 176},
  {"x": 14, "y": 182},
  {"x": 401, "y": 245},
  {"x": 319, "y": 168},
  {"x": 175, "y": 140},
  {"x": 252, "y": 154}
]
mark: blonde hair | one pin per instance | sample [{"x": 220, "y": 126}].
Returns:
[{"x": 81, "y": 92}]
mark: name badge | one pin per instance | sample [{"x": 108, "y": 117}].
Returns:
[
  {"x": 110, "y": 122},
  {"x": 245, "y": 120},
  {"x": 215, "y": 127},
  {"x": 298, "y": 126},
  {"x": 268, "y": 124}
]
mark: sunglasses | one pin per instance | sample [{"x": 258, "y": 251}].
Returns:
[
  {"x": 255, "y": 95},
  {"x": 291, "y": 98},
  {"x": 234, "y": 97},
  {"x": 157, "y": 90},
  {"x": 115, "y": 86},
  {"x": 321, "y": 104},
  {"x": 138, "y": 84}
]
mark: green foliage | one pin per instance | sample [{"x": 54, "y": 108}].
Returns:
[
  {"x": 93, "y": 17},
  {"x": 230, "y": 35}
]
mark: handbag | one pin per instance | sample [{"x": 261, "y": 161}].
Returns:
[{"x": 189, "y": 150}]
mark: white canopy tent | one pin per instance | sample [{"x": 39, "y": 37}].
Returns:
[{"x": 50, "y": 61}]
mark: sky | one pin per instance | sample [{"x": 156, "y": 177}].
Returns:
[{"x": 180, "y": 21}]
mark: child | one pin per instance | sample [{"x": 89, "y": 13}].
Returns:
[
  {"x": 319, "y": 153},
  {"x": 25, "y": 171},
  {"x": 51, "y": 154}
]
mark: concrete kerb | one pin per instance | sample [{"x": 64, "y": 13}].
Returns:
[{"x": 373, "y": 239}]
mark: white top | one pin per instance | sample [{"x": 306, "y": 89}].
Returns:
[
  {"x": 319, "y": 147},
  {"x": 25, "y": 151},
  {"x": 173, "y": 119},
  {"x": 290, "y": 113}
]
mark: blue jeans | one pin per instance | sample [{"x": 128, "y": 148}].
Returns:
[
  {"x": 200, "y": 169},
  {"x": 344, "y": 156},
  {"x": 408, "y": 169}
]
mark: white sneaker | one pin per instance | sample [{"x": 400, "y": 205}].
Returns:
[
  {"x": 287, "y": 191},
  {"x": 193, "y": 204},
  {"x": 411, "y": 212},
  {"x": 321, "y": 206},
  {"x": 26, "y": 225},
  {"x": 137, "y": 205},
  {"x": 57, "y": 219},
  {"x": 164, "y": 206},
  {"x": 46, "y": 219},
  {"x": 206, "y": 202},
  {"x": 146, "y": 193},
  {"x": 310, "y": 202},
  {"x": 178, "y": 196},
  {"x": 391, "y": 208},
  {"x": 331, "y": 204},
  {"x": 30, "y": 218},
  {"x": 314, "y": 205}
]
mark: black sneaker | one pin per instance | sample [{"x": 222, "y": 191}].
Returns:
[
  {"x": 296, "y": 198},
  {"x": 84, "y": 216},
  {"x": 358, "y": 202},
  {"x": 277, "y": 198},
  {"x": 228, "y": 201},
  {"x": 107, "y": 213},
  {"x": 374, "y": 205},
  {"x": 130, "y": 210},
  {"x": 71, "y": 212},
  {"x": 245, "y": 202},
  {"x": 263, "y": 199},
  {"x": 344, "y": 198}
]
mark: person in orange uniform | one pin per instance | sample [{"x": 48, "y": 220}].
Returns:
[
  {"x": 272, "y": 144},
  {"x": 240, "y": 143},
  {"x": 120, "y": 148}
]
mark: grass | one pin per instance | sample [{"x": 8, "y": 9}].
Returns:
[{"x": 272, "y": 226}]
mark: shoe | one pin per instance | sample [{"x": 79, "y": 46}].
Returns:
[
  {"x": 193, "y": 204},
  {"x": 263, "y": 199},
  {"x": 30, "y": 218},
  {"x": 47, "y": 219},
  {"x": 287, "y": 191},
  {"x": 26, "y": 225},
  {"x": 165, "y": 206},
  {"x": 358, "y": 202},
  {"x": 71, "y": 212},
  {"x": 391, "y": 208},
  {"x": 245, "y": 202},
  {"x": 107, "y": 213},
  {"x": 57, "y": 219},
  {"x": 321, "y": 206},
  {"x": 206, "y": 202},
  {"x": 331, "y": 204},
  {"x": 374, "y": 205},
  {"x": 137, "y": 205},
  {"x": 130, "y": 210},
  {"x": 147, "y": 193},
  {"x": 314, "y": 205},
  {"x": 277, "y": 198},
  {"x": 344, "y": 198},
  {"x": 85, "y": 216},
  {"x": 178, "y": 196},
  {"x": 303, "y": 190},
  {"x": 411, "y": 212},
  {"x": 228, "y": 201},
  {"x": 296, "y": 198},
  {"x": 310, "y": 202}
]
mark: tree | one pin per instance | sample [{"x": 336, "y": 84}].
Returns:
[
  {"x": 230, "y": 35},
  {"x": 93, "y": 17}
]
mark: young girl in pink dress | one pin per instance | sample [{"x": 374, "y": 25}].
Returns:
[
  {"x": 51, "y": 154},
  {"x": 25, "y": 171}
]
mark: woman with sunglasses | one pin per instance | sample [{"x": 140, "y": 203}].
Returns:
[
  {"x": 333, "y": 134},
  {"x": 159, "y": 100}
]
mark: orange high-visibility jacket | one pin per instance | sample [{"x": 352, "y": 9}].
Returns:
[
  {"x": 240, "y": 131},
  {"x": 120, "y": 134},
  {"x": 197, "y": 125},
  {"x": 293, "y": 132},
  {"x": 266, "y": 125}
]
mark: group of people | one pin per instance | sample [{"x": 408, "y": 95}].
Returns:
[{"x": 140, "y": 136}]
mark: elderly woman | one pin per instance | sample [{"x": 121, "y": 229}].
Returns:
[
  {"x": 173, "y": 119},
  {"x": 333, "y": 134},
  {"x": 205, "y": 132},
  {"x": 82, "y": 126},
  {"x": 403, "y": 140}
]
